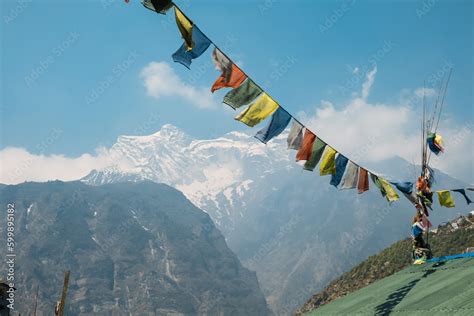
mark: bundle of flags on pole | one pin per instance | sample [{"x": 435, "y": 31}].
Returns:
[{"x": 345, "y": 173}]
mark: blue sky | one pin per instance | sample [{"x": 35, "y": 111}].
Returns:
[{"x": 56, "y": 55}]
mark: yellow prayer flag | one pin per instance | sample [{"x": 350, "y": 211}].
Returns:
[
  {"x": 445, "y": 198},
  {"x": 185, "y": 26},
  {"x": 389, "y": 190},
  {"x": 263, "y": 107},
  {"x": 328, "y": 163}
]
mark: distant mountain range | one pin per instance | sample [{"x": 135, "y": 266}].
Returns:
[
  {"x": 132, "y": 249},
  {"x": 290, "y": 226}
]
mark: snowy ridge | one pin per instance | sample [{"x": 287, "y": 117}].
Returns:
[{"x": 215, "y": 174}]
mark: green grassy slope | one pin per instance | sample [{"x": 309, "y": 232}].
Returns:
[{"x": 446, "y": 240}]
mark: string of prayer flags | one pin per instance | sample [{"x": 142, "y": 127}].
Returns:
[
  {"x": 305, "y": 151},
  {"x": 185, "y": 56},
  {"x": 263, "y": 107},
  {"x": 344, "y": 173},
  {"x": 231, "y": 76},
  {"x": 341, "y": 163},
  {"x": 185, "y": 27},
  {"x": 463, "y": 192},
  {"x": 363, "y": 184},
  {"x": 295, "y": 136},
  {"x": 390, "y": 192},
  {"x": 435, "y": 143},
  {"x": 445, "y": 198},
  {"x": 351, "y": 177},
  {"x": 280, "y": 120},
  {"x": 159, "y": 6},
  {"x": 316, "y": 154},
  {"x": 242, "y": 95},
  {"x": 328, "y": 164}
]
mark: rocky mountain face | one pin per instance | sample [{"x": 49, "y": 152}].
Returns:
[
  {"x": 132, "y": 248},
  {"x": 290, "y": 226}
]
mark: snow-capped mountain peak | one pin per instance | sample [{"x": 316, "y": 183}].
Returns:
[
  {"x": 167, "y": 133},
  {"x": 213, "y": 173}
]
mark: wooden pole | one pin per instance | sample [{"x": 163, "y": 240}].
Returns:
[
  {"x": 36, "y": 301},
  {"x": 60, "y": 311}
]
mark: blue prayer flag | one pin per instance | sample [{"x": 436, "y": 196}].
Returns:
[
  {"x": 463, "y": 192},
  {"x": 201, "y": 43},
  {"x": 341, "y": 163},
  {"x": 404, "y": 187},
  {"x": 280, "y": 120}
]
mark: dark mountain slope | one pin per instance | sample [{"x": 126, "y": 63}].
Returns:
[{"x": 131, "y": 248}]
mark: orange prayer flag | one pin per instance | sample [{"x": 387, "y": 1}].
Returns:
[
  {"x": 306, "y": 149},
  {"x": 234, "y": 80}
]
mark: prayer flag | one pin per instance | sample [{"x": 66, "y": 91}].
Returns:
[
  {"x": 378, "y": 184},
  {"x": 159, "y": 6},
  {"x": 435, "y": 143},
  {"x": 411, "y": 197},
  {"x": 242, "y": 95},
  {"x": 404, "y": 187},
  {"x": 363, "y": 184},
  {"x": 390, "y": 192},
  {"x": 351, "y": 177},
  {"x": 341, "y": 163},
  {"x": 463, "y": 192},
  {"x": 305, "y": 151},
  {"x": 316, "y": 153},
  {"x": 231, "y": 75},
  {"x": 425, "y": 223},
  {"x": 295, "y": 137},
  {"x": 280, "y": 120},
  {"x": 445, "y": 198},
  {"x": 222, "y": 63},
  {"x": 185, "y": 26},
  {"x": 263, "y": 107},
  {"x": 328, "y": 164},
  {"x": 184, "y": 56}
]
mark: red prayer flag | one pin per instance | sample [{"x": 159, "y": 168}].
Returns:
[
  {"x": 233, "y": 81},
  {"x": 363, "y": 184},
  {"x": 306, "y": 149}
]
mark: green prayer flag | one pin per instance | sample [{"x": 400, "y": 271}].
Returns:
[
  {"x": 242, "y": 95},
  {"x": 445, "y": 198},
  {"x": 378, "y": 184},
  {"x": 328, "y": 164},
  {"x": 391, "y": 194},
  {"x": 316, "y": 154}
]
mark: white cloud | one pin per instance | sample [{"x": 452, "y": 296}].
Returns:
[
  {"x": 161, "y": 80},
  {"x": 18, "y": 165},
  {"x": 368, "y": 83},
  {"x": 428, "y": 92},
  {"x": 375, "y": 131}
]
